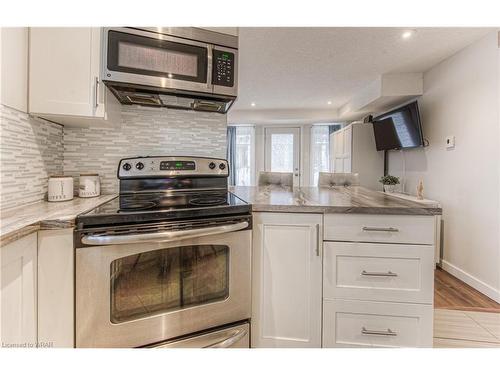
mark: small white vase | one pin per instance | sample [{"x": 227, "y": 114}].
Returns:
[{"x": 389, "y": 188}]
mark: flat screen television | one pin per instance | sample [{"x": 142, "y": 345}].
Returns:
[{"x": 399, "y": 129}]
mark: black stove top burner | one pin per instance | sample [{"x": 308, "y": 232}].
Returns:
[
  {"x": 137, "y": 206},
  {"x": 207, "y": 201}
]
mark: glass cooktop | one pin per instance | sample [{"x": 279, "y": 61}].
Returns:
[{"x": 164, "y": 205}]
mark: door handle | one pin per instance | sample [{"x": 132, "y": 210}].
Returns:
[
  {"x": 317, "y": 239},
  {"x": 96, "y": 91},
  {"x": 236, "y": 336},
  {"x": 164, "y": 236}
]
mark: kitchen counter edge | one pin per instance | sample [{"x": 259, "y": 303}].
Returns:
[{"x": 23, "y": 220}]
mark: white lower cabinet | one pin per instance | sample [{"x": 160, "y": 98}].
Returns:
[
  {"x": 287, "y": 280},
  {"x": 18, "y": 292},
  {"x": 378, "y": 280},
  {"x": 56, "y": 285},
  {"x": 350, "y": 323}
]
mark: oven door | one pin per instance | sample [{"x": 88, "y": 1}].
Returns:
[
  {"x": 150, "y": 59},
  {"x": 136, "y": 294}
]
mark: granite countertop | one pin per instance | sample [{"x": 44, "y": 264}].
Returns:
[
  {"x": 23, "y": 220},
  {"x": 20, "y": 221},
  {"x": 352, "y": 199}
]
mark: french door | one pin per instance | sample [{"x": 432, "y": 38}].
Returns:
[{"x": 282, "y": 151}]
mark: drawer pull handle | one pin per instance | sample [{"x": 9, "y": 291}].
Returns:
[
  {"x": 376, "y": 229},
  {"x": 388, "y": 332},
  {"x": 389, "y": 273}
]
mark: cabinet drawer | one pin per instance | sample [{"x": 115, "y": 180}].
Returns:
[
  {"x": 378, "y": 272},
  {"x": 376, "y": 324},
  {"x": 380, "y": 228}
]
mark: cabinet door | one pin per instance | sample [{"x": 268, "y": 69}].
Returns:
[
  {"x": 64, "y": 71},
  {"x": 56, "y": 285},
  {"x": 347, "y": 149},
  {"x": 18, "y": 292},
  {"x": 14, "y": 58},
  {"x": 286, "y": 293}
]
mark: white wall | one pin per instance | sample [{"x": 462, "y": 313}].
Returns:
[{"x": 461, "y": 98}]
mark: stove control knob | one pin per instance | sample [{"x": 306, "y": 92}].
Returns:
[
  {"x": 211, "y": 165},
  {"x": 127, "y": 166},
  {"x": 139, "y": 166},
  {"x": 222, "y": 166}
]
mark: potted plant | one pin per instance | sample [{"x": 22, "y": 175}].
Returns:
[{"x": 389, "y": 183}]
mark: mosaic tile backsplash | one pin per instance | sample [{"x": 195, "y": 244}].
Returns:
[
  {"x": 31, "y": 149},
  {"x": 142, "y": 131}
]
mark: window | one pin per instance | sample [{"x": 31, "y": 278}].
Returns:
[
  {"x": 320, "y": 151},
  {"x": 241, "y": 155},
  {"x": 168, "y": 279},
  {"x": 282, "y": 152}
]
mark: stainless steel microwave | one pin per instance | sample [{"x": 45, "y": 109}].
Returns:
[{"x": 178, "y": 67}]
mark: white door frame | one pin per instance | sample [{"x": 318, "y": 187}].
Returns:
[{"x": 296, "y": 131}]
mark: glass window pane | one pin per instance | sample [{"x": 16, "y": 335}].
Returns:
[
  {"x": 320, "y": 151},
  {"x": 170, "y": 279},
  {"x": 244, "y": 152},
  {"x": 282, "y": 153}
]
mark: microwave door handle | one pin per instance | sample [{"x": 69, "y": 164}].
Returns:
[
  {"x": 210, "y": 63},
  {"x": 227, "y": 342},
  {"x": 165, "y": 236}
]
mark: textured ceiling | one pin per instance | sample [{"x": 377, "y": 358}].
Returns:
[{"x": 304, "y": 68}]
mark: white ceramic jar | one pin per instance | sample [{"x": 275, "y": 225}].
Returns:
[
  {"x": 60, "y": 188},
  {"x": 89, "y": 185}
]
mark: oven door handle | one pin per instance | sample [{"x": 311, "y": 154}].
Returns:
[{"x": 166, "y": 236}]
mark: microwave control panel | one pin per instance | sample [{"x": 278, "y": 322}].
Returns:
[{"x": 223, "y": 68}]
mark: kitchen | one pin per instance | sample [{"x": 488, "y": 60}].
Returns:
[{"x": 158, "y": 192}]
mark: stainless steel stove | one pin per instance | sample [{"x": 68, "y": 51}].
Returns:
[{"x": 167, "y": 262}]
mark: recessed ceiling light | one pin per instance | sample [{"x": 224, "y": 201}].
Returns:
[
  {"x": 408, "y": 34},
  {"x": 329, "y": 102},
  {"x": 252, "y": 104}
]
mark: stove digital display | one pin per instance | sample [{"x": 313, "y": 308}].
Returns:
[{"x": 177, "y": 165}]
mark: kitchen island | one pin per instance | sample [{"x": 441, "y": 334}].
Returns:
[{"x": 341, "y": 267}]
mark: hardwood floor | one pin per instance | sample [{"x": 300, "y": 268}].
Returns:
[{"x": 453, "y": 294}]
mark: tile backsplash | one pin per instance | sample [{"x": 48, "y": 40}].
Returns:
[
  {"x": 31, "y": 149},
  {"x": 142, "y": 131}
]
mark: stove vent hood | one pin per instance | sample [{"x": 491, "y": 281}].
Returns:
[
  {"x": 148, "y": 96},
  {"x": 182, "y": 68}
]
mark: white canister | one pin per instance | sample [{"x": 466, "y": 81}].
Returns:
[
  {"x": 60, "y": 188},
  {"x": 89, "y": 186}
]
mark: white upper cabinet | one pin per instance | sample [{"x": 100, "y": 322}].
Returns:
[
  {"x": 14, "y": 63},
  {"x": 64, "y": 75},
  {"x": 353, "y": 150},
  {"x": 287, "y": 277}
]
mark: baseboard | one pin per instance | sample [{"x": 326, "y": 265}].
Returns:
[{"x": 474, "y": 282}]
